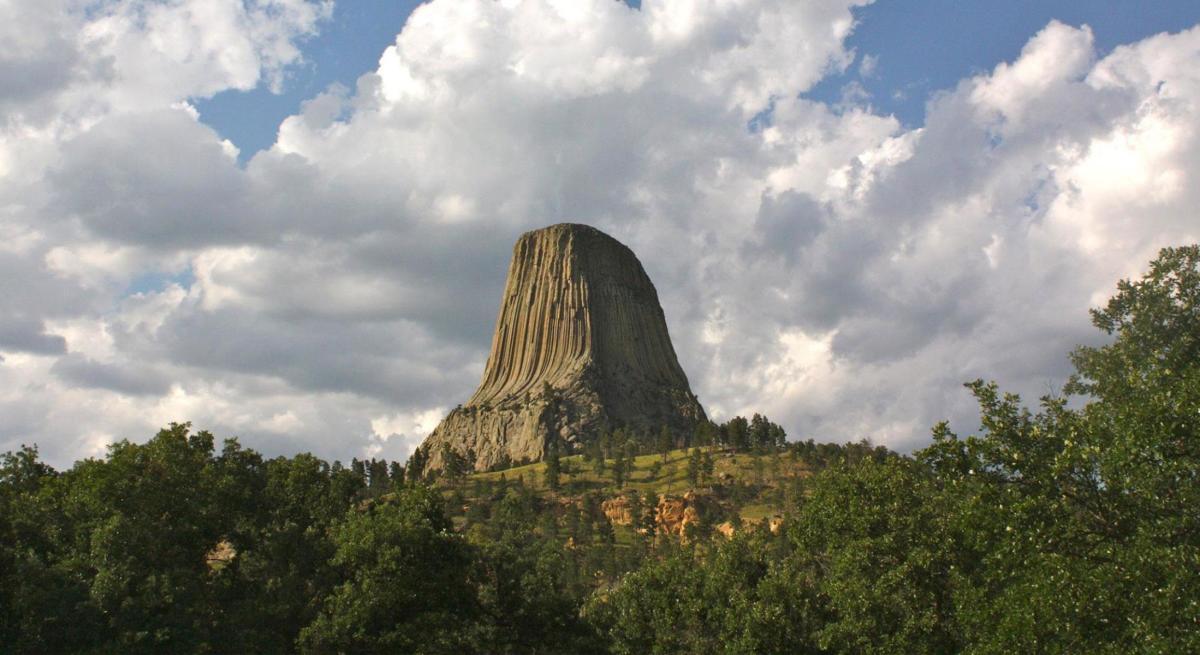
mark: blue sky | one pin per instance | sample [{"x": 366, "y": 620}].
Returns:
[
  {"x": 919, "y": 47},
  {"x": 347, "y": 46},
  {"x": 925, "y": 46}
]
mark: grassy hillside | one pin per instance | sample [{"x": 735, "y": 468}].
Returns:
[{"x": 751, "y": 484}]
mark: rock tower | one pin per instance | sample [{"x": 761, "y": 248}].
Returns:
[{"x": 580, "y": 346}]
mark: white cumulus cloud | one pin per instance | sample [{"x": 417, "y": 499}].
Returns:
[{"x": 336, "y": 293}]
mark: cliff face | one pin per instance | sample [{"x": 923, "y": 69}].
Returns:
[{"x": 580, "y": 346}]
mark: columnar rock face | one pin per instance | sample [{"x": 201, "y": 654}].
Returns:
[{"x": 581, "y": 346}]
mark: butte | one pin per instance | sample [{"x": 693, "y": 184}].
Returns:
[{"x": 580, "y": 348}]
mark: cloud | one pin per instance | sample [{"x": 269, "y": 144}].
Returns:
[
  {"x": 337, "y": 292},
  {"x": 82, "y": 372},
  {"x": 20, "y": 334},
  {"x": 153, "y": 178}
]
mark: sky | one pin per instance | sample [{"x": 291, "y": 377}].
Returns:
[{"x": 289, "y": 220}]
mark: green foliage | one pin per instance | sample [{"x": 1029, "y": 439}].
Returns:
[
  {"x": 455, "y": 465},
  {"x": 1087, "y": 515},
  {"x": 553, "y": 466},
  {"x": 665, "y": 442},
  {"x": 874, "y": 545},
  {"x": 736, "y": 433},
  {"x": 409, "y": 582},
  {"x": 694, "y": 467},
  {"x": 734, "y": 599}
]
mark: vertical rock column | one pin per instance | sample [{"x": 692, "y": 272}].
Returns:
[{"x": 580, "y": 346}]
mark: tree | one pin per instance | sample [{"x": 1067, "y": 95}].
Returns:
[
  {"x": 409, "y": 582},
  {"x": 1142, "y": 442},
  {"x": 530, "y": 599},
  {"x": 619, "y": 470},
  {"x": 149, "y": 576},
  {"x": 379, "y": 481},
  {"x": 454, "y": 465},
  {"x": 871, "y": 537},
  {"x": 760, "y": 434},
  {"x": 665, "y": 442},
  {"x": 415, "y": 471},
  {"x": 694, "y": 467},
  {"x": 732, "y": 601},
  {"x": 649, "y": 506},
  {"x": 737, "y": 433},
  {"x": 553, "y": 466},
  {"x": 45, "y": 603},
  {"x": 599, "y": 452},
  {"x": 284, "y": 562},
  {"x": 1083, "y": 514},
  {"x": 778, "y": 436},
  {"x": 607, "y": 440},
  {"x": 1135, "y": 455},
  {"x": 706, "y": 434}
]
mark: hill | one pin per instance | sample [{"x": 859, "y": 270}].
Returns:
[{"x": 682, "y": 492}]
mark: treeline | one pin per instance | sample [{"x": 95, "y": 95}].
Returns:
[
  {"x": 177, "y": 545},
  {"x": 613, "y": 452},
  {"x": 757, "y": 434},
  {"x": 173, "y": 546},
  {"x": 1073, "y": 528}
]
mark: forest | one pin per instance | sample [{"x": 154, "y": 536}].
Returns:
[{"x": 1068, "y": 526}]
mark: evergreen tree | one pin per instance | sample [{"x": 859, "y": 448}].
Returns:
[
  {"x": 415, "y": 471},
  {"x": 737, "y": 433},
  {"x": 665, "y": 442},
  {"x": 619, "y": 470},
  {"x": 553, "y": 466},
  {"x": 598, "y": 457},
  {"x": 454, "y": 465},
  {"x": 378, "y": 472}
]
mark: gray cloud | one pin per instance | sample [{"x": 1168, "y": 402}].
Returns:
[
  {"x": 24, "y": 334},
  {"x": 787, "y": 224},
  {"x": 126, "y": 379},
  {"x": 154, "y": 178}
]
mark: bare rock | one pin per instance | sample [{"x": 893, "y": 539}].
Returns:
[
  {"x": 617, "y": 510},
  {"x": 580, "y": 347}
]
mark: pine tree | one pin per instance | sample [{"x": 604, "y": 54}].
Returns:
[
  {"x": 553, "y": 465},
  {"x": 664, "y": 442},
  {"x": 694, "y": 466},
  {"x": 598, "y": 454}
]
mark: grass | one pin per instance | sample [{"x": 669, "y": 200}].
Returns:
[{"x": 754, "y": 477}]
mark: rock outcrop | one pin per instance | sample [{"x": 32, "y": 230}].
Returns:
[
  {"x": 580, "y": 346},
  {"x": 617, "y": 510},
  {"x": 673, "y": 515}
]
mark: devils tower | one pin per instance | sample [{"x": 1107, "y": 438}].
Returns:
[{"x": 580, "y": 347}]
